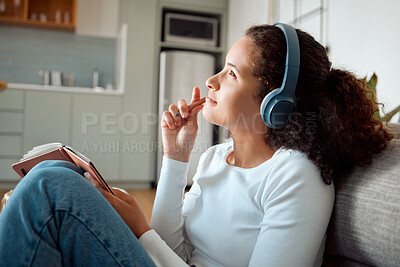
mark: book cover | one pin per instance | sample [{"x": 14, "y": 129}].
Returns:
[{"x": 57, "y": 151}]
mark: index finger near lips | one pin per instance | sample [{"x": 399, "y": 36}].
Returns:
[{"x": 195, "y": 94}]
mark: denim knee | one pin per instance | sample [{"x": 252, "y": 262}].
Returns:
[{"x": 54, "y": 175}]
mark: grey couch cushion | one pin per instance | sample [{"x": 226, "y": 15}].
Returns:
[{"x": 365, "y": 224}]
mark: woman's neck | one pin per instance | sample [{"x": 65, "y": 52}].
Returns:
[{"x": 250, "y": 150}]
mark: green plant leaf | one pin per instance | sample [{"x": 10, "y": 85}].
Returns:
[
  {"x": 377, "y": 116},
  {"x": 373, "y": 81},
  {"x": 371, "y": 94},
  {"x": 390, "y": 115},
  {"x": 371, "y": 86}
]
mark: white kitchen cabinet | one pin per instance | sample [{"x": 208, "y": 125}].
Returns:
[
  {"x": 11, "y": 146},
  {"x": 11, "y": 127},
  {"x": 47, "y": 118},
  {"x": 11, "y": 122},
  {"x": 11, "y": 113},
  {"x": 95, "y": 131},
  {"x": 7, "y": 173},
  {"x": 28, "y": 119},
  {"x": 98, "y": 18},
  {"x": 61, "y": 117},
  {"x": 117, "y": 132},
  {"x": 12, "y": 99}
]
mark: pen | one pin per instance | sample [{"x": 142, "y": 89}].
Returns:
[{"x": 193, "y": 105}]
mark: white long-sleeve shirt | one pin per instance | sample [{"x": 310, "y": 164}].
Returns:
[{"x": 275, "y": 214}]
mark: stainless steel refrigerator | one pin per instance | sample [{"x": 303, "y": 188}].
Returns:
[{"x": 180, "y": 71}]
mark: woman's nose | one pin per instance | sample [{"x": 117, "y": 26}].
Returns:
[{"x": 212, "y": 83}]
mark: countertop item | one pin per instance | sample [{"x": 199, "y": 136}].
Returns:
[
  {"x": 95, "y": 81},
  {"x": 3, "y": 85}
]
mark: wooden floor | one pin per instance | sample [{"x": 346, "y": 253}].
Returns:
[{"x": 145, "y": 199}]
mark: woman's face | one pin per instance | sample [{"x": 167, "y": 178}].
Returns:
[{"x": 231, "y": 101}]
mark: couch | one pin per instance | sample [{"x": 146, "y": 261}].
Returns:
[{"x": 364, "y": 229}]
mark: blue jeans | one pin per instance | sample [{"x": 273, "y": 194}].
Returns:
[{"x": 55, "y": 217}]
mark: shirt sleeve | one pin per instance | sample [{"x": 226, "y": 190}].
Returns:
[
  {"x": 159, "y": 252},
  {"x": 167, "y": 219},
  {"x": 297, "y": 207}
]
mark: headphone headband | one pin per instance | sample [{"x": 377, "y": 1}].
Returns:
[
  {"x": 292, "y": 64},
  {"x": 279, "y": 103}
]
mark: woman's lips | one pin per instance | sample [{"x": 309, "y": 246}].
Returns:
[{"x": 209, "y": 99}]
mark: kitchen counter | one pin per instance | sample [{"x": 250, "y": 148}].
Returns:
[{"x": 38, "y": 87}]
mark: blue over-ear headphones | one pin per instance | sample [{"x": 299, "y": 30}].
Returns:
[{"x": 279, "y": 103}]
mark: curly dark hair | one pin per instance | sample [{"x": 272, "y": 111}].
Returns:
[{"x": 332, "y": 121}]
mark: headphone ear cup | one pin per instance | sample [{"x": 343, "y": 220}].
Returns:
[
  {"x": 281, "y": 112},
  {"x": 275, "y": 109},
  {"x": 265, "y": 109}
]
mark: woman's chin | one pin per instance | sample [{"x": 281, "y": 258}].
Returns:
[
  {"x": 210, "y": 115},
  {"x": 207, "y": 114}
]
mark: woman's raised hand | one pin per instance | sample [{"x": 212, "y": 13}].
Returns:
[{"x": 179, "y": 132}]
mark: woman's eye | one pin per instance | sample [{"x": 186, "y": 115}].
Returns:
[{"x": 231, "y": 73}]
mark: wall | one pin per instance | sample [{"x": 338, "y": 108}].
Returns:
[
  {"x": 27, "y": 51},
  {"x": 140, "y": 97},
  {"x": 98, "y": 18},
  {"x": 361, "y": 38},
  {"x": 364, "y": 38},
  {"x": 242, "y": 14},
  {"x": 362, "y": 35}
]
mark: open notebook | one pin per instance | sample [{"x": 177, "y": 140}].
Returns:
[{"x": 57, "y": 151}]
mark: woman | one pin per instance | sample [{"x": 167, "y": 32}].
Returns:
[{"x": 262, "y": 199}]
